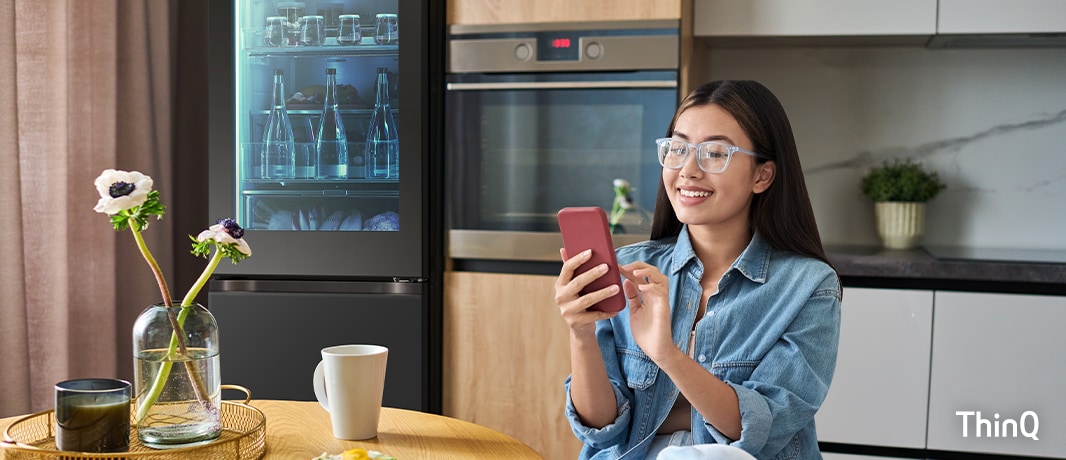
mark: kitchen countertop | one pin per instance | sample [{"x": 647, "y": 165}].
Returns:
[
  {"x": 875, "y": 262},
  {"x": 958, "y": 268}
]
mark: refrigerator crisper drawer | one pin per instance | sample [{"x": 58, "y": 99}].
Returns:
[{"x": 271, "y": 341}]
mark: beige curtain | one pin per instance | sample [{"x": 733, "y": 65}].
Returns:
[{"x": 84, "y": 86}]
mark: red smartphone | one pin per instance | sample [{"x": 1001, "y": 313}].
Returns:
[{"x": 586, "y": 228}]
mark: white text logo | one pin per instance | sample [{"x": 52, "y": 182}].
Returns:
[{"x": 1028, "y": 424}]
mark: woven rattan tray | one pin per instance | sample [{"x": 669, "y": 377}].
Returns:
[{"x": 243, "y": 437}]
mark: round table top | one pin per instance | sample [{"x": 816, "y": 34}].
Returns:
[{"x": 301, "y": 430}]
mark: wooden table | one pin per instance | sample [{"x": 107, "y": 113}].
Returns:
[{"x": 298, "y": 430}]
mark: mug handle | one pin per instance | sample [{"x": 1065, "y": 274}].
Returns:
[{"x": 320, "y": 385}]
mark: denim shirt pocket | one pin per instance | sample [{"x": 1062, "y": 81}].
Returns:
[
  {"x": 640, "y": 371},
  {"x": 791, "y": 451},
  {"x": 734, "y": 371}
]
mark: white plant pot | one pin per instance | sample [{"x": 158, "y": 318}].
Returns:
[{"x": 900, "y": 224}]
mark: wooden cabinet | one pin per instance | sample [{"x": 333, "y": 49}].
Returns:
[
  {"x": 1001, "y": 355},
  {"x": 1001, "y": 16},
  {"x": 506, "y": 357},
  {"x": 523, "y": 11},
  {"x": 880, "y": 389},
  {"x": 766, "y": 18}
]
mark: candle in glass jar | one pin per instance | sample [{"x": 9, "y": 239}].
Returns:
[{"x": 93, "y": 415}]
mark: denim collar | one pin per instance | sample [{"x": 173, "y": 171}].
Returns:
[{"x": 753, "y": 263}]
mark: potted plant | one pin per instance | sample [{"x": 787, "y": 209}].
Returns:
[{"x": 899, "y": 189}]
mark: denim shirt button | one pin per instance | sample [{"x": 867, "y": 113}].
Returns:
[{"x": 703, "y": 358}]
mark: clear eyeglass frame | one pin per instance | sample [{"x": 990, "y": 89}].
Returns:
[{"x": 709, "y": 155}]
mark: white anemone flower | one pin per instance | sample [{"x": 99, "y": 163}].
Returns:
[
  {"x": 221, "y": 233},
  {"x": 121, "y": 190}
]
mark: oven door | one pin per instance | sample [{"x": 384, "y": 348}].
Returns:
[{"x": 521, "y": 147}]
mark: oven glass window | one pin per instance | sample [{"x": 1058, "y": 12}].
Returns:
[{"x": 516, "y": 157}]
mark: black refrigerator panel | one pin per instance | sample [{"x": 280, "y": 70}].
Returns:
[{"x": 272, "y": 341}]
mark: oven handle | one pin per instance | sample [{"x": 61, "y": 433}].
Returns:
[{"x": 562, "y": 85}]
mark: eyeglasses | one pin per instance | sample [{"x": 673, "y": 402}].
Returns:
[{"x": 712, "y": 157}]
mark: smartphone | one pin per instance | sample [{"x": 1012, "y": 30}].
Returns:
[{"x": 586, "y": 228}]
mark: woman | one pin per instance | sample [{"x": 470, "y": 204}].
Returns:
[{"x": 730, "y": 332}]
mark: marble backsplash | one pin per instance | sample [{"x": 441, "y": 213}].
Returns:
[{"x": 991, "y": 122}]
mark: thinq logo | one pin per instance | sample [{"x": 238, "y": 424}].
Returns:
[{"x": 1028, "y": 424}]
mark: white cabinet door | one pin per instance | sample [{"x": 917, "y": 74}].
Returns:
[
  {"x": 765, "y": 18},
  {"x": 1001, "y": 355},
  {"x": 835, "y": 456},
  {"x": 1001, "y": 16},
  {"x": 879, "y": 392}
]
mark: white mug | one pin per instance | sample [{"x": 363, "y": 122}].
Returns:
[{"x": 349, "y": 382}]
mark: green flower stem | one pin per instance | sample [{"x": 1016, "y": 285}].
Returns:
[
  {"x": 176, "y": 342},
  {"x": 617, "y": 211},
  {"x": 151, "y": 263},
  {"x": 202, "y": 280}
]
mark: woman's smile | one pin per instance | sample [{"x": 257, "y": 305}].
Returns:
[{"x": 692, "y": 196}]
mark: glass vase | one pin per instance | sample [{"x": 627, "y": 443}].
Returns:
[{"x": 177, "y": 376}]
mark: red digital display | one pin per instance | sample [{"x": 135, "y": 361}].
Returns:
[{"x": 557, "y": 47}]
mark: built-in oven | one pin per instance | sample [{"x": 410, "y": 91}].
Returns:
[{"x": 545, "y": 116}]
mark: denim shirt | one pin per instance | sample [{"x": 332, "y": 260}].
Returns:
[{"x": 770, "y": 332}]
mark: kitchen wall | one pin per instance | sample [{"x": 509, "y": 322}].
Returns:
[{"x": 992, "y": 122}]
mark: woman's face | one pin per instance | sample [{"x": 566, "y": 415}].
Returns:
[{"x": 701, "y": 198}]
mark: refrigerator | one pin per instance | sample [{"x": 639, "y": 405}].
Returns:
[{"x": 344, "y": 254}]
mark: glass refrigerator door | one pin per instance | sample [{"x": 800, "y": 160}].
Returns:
[{"x": 322, "y": 176}]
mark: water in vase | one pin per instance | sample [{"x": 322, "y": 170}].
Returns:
[{"x": 177, "y": 417}]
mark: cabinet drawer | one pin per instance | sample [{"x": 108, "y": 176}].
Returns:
[
  {"x": 880, "y": 389},
  {"x": 1001, "y": 355}
]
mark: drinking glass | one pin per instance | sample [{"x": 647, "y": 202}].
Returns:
[
  {"x": 305, "y": 150},
  {"x": 350, "y": 32},
  {"x": 387, "y": 31},
  {"x": 277, "y": 30},
  {"x": 292, "y": 12},
  {"x": 305, "y": 160},
  {"x": 312, "y": 31}
]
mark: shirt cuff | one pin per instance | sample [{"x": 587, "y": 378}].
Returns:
[
  {"x": 755, "y": 420},
  {"x": 600, "y": 438}
]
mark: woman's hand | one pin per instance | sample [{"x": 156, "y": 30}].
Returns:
[
  {"x": 648, "y": 292},
  {"x": 572, "y": 305},
  {"x": 590, "y": 388}
]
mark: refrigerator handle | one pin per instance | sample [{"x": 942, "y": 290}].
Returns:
[{"x": 412, "y": 286}]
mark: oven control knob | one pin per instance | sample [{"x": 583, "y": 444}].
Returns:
[
  {"x": 594, "y": 50},
  {"x": 523, "y": 52}
]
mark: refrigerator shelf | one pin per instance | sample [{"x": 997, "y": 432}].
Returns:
[
  {"x": 318, "y": 111},
  {"x": 362, "y": 50},
  {"x": 326, "y": 193},
  {"x": 324, "y": 187}
]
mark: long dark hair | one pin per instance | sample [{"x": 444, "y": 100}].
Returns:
[{"x": 782, "y": 214}]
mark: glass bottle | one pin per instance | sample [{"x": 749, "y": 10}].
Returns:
[
  {"x": 331, "y": 144},
  {"x": 278, "y": 159},
  {"x": 177, "y": 377},
  {"x": 382, "y": 138}
]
